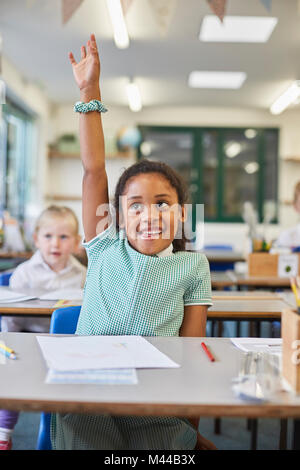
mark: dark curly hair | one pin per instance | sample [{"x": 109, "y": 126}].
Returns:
[{"x": 149, "y": 166}]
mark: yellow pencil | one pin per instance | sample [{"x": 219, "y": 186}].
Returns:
[
  {"x": 295, "y": 290},
  {"x": 6, "y": 348}
]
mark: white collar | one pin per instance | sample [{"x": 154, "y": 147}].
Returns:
[
  {"x": 37, "y": 258},
  {"x": 166, "y": 252}
]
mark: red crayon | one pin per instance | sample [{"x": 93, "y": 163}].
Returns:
[{"x": 207, "y": 352}]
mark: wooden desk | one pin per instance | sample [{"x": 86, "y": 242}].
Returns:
[
  {"x": 16, "y": 254},
  {"x": 222, "y": 309},
  {"x": 220, "y": 256},
  {"x": 222, "y": 279},
  {"x": 34, "y": 308},
  {"x": 197, "y": 388},
  {"x": 241, "y": 279}
]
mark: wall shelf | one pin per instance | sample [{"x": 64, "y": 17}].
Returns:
[
  {"x": 76, "y": 156},
  {"x": 63, "y": 197},
  {"x": 291, "y": 159}
]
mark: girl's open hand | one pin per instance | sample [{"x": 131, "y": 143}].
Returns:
[{"x": 87, "y": 71}]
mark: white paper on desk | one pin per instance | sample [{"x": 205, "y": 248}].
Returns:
[
  {"x": 63, "y": 294},
  {"x": 101, "y": 352},
  {"x": 270, "y": 345},
  {"x": 8, "y": 296},
  {"x": 94, "y": 376}
]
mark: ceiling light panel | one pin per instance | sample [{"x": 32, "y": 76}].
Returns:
[
  {"x": 237, "y": 28},
  {"x": 233, "y": 80}
]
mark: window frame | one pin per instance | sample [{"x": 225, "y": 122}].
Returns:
[
  {"x": 198, "y": 165},
  {"x": 11, "y": 111}
]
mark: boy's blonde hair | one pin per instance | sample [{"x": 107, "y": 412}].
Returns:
[
  {"x": 56, "y": 211},
  {"x": 296, "y": 192}
]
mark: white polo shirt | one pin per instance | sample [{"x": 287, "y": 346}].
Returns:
[
  {"x": 35, "y": 274},
  {"x": 289, "y": 238}
]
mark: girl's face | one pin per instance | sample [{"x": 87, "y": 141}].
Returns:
[
  {"x": 56, "y": 240},
  {"x": 150, "y": 213}
]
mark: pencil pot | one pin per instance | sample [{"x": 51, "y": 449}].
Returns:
[{"x": 290, "y": 332}]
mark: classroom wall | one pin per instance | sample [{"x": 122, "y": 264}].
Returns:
[{"x": 64, "y": 176}]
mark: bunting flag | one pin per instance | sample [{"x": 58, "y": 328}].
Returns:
[
  {"x": 68, "y": 9},
  {"x": 267, "y": 4},
  {"x": 126, "y": 4},
  {"x": 218, "y": 7},
  {"x": 163, "y": 11}
]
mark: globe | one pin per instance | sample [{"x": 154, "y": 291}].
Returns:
[{"x": 128, "y": 138}]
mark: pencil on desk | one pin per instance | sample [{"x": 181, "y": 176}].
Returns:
[
  {"x": 295, "y": 291},
  {"x": 207, "y": 352},
  {"x": 6, "y": 348},
  {"x": 8, "y": 354}
]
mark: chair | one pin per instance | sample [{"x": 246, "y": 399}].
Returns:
[
  {"x": 63, "y": 321},
  {"x": 217, "y": 266},
  {"x": 4, "y": 281},
  {"x": 4, "y": 278}
]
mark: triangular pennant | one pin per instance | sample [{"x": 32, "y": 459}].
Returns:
[
  {"x": 126, "y": 4},
  {"x": 68, "y": 8},
  {"x": 218, "y": 7},
  {"x": 267, "y": 4},
  {"x": 163, "y": 11}
]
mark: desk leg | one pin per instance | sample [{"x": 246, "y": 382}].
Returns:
[
  {"x": 283, "y": 434},
  {"x": 217, "y": 425},
  {"x": 296, "y": 435},
  {"x": 254, "y": 423}
]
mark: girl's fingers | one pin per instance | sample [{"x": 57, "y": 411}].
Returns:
[
  {"x": 72, "y": 60},
  {"x": 88, "y": 47},
  {"x": 93, "y": 41},
  {"x": 83, "y": 52}
]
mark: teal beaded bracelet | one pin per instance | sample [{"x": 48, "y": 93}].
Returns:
[{"x": 94, "y": 105}]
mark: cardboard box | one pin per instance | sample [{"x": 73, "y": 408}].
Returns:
[
  {"x": 273, "y": 265},
  {"x": 290, "y": 333}
]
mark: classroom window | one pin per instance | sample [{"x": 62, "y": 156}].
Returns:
[
  {"x": 17, "y": 153},
  {"x": 223, "y": 167}
]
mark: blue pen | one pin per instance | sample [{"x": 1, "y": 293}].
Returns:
[{"x": 8, "y": 354}]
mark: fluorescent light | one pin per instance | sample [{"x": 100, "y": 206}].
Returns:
[
  {"x": 199, "y": 79},
  {"x": 232, "y": 149},
  {"x": 250, "y": 133},
  {"x": 251, "y": 167},
  {"x": 237, "y": 28},
  {"x": 288, "y": 97},
  {"x": 118, "y": 22},
  {"x": 134, "y": 97}
]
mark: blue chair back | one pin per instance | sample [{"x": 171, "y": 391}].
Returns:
[
  {"x": 63, "y": 321},
  {"x": 4, "y": 278},
  {"x": 217, "y": 266}
]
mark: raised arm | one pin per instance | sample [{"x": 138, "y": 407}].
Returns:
[{"x": 92, "y": 150}]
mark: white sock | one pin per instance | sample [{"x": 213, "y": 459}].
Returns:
[{"x": 5, "y": 434}]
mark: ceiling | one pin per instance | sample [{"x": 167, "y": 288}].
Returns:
[{"x": 37, "y": 43}]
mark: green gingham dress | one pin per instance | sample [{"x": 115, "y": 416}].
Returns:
[{"x": 128, "y": 293}]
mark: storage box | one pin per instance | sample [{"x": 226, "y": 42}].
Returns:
[
  {"x": 273, "y": 265},
  {"x": 290, "y": 333}
]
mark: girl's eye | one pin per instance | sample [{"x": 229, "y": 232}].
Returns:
[
  {"x": 162, "y": 205},
  {"x": 48, "y": 235},
  {"x": 136, "y": 207},
  {"x": 63, "y": 237}
]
